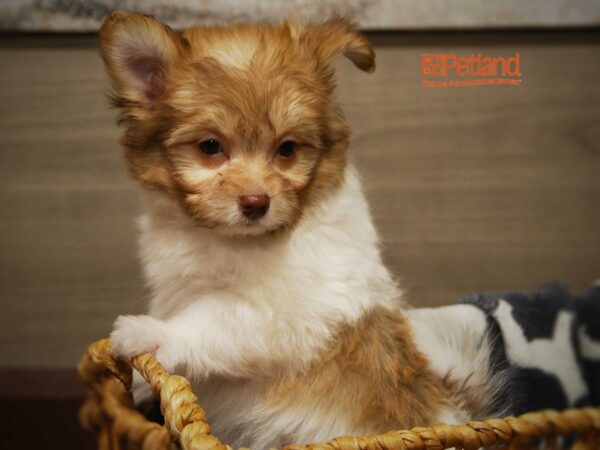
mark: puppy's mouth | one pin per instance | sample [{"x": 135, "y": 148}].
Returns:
[
  {"x": 251, "y": 222},
  {"x": 255, "y": 225},
  {"x": 249, "y": 226}
]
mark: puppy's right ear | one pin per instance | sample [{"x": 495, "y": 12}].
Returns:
[{"x": 138, "y": 52}]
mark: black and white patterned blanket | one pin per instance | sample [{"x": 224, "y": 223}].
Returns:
[{"x": 549, "y": 340}]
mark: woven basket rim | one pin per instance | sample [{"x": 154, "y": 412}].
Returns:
[{"x": 109, "y": 411}]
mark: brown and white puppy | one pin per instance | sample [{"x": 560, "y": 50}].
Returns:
[{"x": 268, "y": 289}]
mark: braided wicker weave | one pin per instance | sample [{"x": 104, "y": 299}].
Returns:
[{"x": 109, "y": 412}]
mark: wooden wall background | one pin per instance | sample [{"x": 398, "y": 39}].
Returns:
[{"x": 473, "y": 189}]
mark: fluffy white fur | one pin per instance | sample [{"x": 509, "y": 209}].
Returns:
[
  {"x": 226, "y": 310},
  {"x": 456, "y": 342}
]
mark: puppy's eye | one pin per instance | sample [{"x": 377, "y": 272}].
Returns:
[
  {"x": 210, "y": 147},
  {"x": 287, "y": 149}
]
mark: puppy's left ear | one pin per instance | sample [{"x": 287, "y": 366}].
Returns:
[{"x": 334, "y": 38}]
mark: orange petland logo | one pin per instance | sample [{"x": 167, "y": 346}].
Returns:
[{"x": 450, "y": 70}]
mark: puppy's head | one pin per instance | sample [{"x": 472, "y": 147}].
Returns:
[{"x": 236, "y": 124}]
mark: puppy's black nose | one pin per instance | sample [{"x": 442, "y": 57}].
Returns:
[{"x": 254, "y": 206}]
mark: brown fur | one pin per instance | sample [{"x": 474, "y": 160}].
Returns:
[
  {"x": 373, "y": 375},
  {"x": 249, "y": 87}
]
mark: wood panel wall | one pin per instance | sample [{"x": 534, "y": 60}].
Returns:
[{"x": 473, "y": 189}]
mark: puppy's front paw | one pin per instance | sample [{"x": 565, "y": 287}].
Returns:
[{"x": 134, "y": 335}]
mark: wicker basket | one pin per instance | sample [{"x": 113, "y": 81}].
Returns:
[{"x": 109, "y": 412}]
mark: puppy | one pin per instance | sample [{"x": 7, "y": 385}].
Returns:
[{"x": 267, "y": 286}]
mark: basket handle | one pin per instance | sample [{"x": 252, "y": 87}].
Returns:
[
  {"x": 109, "y": 410},
  {"x": 184, "y": 417}
]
